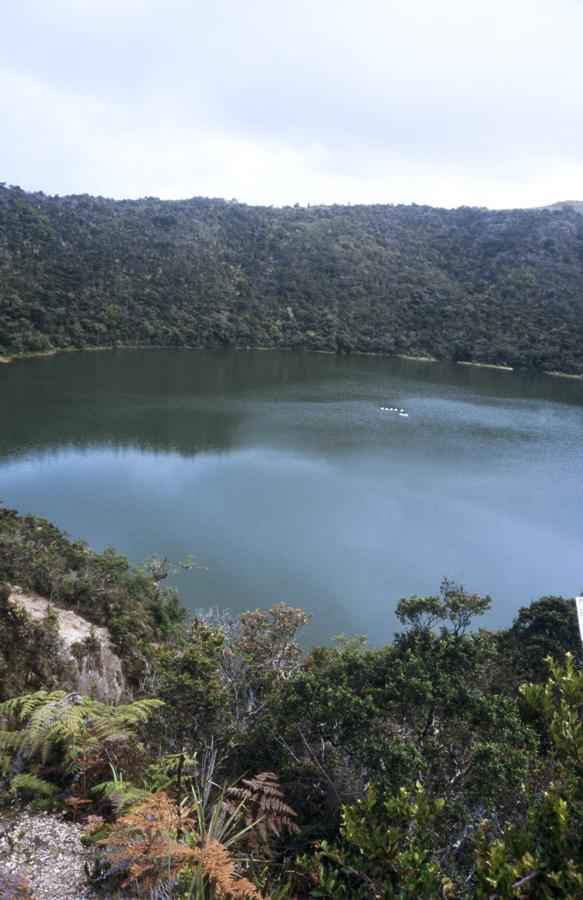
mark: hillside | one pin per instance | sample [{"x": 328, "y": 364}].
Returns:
[
  {"x": 466, "y": 284},
  {"x": 429, "y": 767},
  {"x": 577, "y": 205}
]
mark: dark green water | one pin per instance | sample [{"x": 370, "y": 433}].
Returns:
[{"x": 280, "y": 472}]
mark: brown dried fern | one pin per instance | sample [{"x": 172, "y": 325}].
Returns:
[
  {"x": 218, "y": 868},
  {"x": 141, "y": 843},
  {"x": 263, "y": 808},
  {"x": 142, "y": 846}
]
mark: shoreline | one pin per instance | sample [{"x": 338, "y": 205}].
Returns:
[
  {"x": 6, "y": 360},
  {"x": 415, "y": 358},
  {"x": 564, "y": 375},
  {"x": 34, "y": 354},
  {"x": 479, "y": 365}
]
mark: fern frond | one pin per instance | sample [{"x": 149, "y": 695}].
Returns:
[
  {"x": 23, "y": 707},
  {"x": 9, "y": 740},
  {"x": 121, "y": 794},
  {"x": 66, "y": 727},
  {"x": 218, "y": 869},
  {"x": 262, "y": 800},
  {"x": 32, "y": 785},
  {"x": 141, "y": 843}
]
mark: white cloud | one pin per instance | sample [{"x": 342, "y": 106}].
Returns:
[{"x": 278, "y": 101}]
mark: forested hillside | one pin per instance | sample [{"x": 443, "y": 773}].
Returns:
[{"x": 467, "y": 284}]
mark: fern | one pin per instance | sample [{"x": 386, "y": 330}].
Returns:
[
  {"x": 67, "y": 729},
  {"x": 30, "y": 784},
  {"x": 263, "y": 808},
  {"x": 215, "y": 870},
  {"x": 141, "y": 844},
  {"x": 121, "y": 794},
  {"x": 23, "y": 707}
]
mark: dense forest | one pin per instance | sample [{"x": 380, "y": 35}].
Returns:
[
  {"x": 448, "y": 763},
  {"x": 503, "y": 287}
]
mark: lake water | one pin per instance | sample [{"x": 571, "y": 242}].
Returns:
[{"x": 282, "y": 474}]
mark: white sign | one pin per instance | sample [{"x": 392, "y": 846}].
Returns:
[{"x": 579, "y": 604}]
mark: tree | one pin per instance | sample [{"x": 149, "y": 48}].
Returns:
[
  {"x": 548, "y": 627},
  {"x": 453, "y": 605}
]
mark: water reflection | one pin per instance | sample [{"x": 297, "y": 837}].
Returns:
[{"x": 280, "y": 472}]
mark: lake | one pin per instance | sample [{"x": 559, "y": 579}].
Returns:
[{"x": 281, "y": 473}]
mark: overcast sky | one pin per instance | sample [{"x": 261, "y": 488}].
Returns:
[{"x": 446, "y": 102}]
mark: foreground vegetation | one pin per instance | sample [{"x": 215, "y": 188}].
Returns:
[
  {"x": 500, "y": 287},
  {"x": 447, "y": 763}
]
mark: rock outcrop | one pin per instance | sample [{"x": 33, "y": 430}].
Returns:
[{"x": 95, "y": 668}]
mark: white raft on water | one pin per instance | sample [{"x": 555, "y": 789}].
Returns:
[{"x": 394, "y": 409}]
